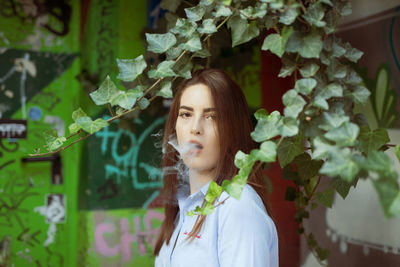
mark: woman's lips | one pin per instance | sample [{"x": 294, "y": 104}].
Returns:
[{"x": 195, "y": 147}]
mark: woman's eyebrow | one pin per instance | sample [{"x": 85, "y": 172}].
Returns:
[{"x": 191, "y": 109}]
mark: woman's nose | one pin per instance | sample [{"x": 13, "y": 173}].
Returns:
[{"x": 196, "y": 126}]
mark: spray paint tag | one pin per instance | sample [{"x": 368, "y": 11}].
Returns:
[{"x": 13, "y": 128}]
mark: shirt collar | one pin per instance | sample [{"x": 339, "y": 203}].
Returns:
[{"x": 184, "y": 196}]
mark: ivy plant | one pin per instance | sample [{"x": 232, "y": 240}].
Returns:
[{"x": 318, "y": 135}]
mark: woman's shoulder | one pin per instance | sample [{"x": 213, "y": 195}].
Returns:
[{"x": 249, "y": 202}]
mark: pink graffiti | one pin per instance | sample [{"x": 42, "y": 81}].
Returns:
[{"x": 127, "y": 236}]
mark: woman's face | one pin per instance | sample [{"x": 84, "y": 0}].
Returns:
[{"x": 196, "y": 128}]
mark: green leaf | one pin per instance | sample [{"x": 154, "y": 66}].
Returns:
[
  {"x": 289, "y": 16},
  {"x": 309, "y": 69},
  {"x": 334, "y": 118},
  {"x": 203, "y": 53},
  {"x": 305, "y": 86},
  {"x": 397, "y": 151},
  {"x": 290, "y": 194},
  {"x": 314, "y": 14},
  {"x": 190, "y": 213},
  {"x": 159, "y": 43},
  {"x": 288, "y": 150},
  {"x": 233, "y": 189},
  {"x": 341, "y": 164},
  {"x": 195, "y": 13},
  {"x": 289, "y": 127},
  {"x": 251, "y": 12},
  {"x": 288, "y": 67},
  {"x": 193, "y": 44},
  {"x": 336, "y": 70},
  {"x": 242, "y": 31},
  {"x": 266, "y": 153},
  {"x": 143, "y": 103},
  {"x": 78, "y": 113},
  {"x": 322, "y": 149},
  {"x": 90, "y": 126},
  {"x": 243, "y": 160},
  {"x": 164, "y": 69},
  {"x": 379, "y": 162},
  {"x": 129, "y": 69},
  {"x": 208, "y": 27},
  {"x": 277, "y": 43},
  {"x": 308, "y": 46},
  {"x": 260, "y": 113},
  {"x": 326, "y": 198},
  {"x": 171, "y": 5},
  {"x": 293, "y": 103},
  {"x": 74, "y": 127},
  {"x": 106, "y": 92},
  {"x": 322, "y": 254},
  {"x": 307, "y": 167},
  {"x": 127, "y": 99},
  {"x": 267, "y": 127},
  {"x": 372, "y": 140},
  {"x": 222, "y": 11},
  {"x": 208, "y": 209},
  {"x": 165, "y": 90},
  {"x": 227, "y": 2},
  {"x": 345, "y": 135},
  {"x": 214, "y": 190},
  {"x": 353, "y": 54},
  {"x": 360, "y": 94},
  {"x": 388, "y": 191},
  {"x": 53, "y": 141},
  {"x": 184, "y": 27},
  {"x": 341, "y": 186}
]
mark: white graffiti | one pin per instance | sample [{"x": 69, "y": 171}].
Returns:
[{"x": 9, "y": 129}]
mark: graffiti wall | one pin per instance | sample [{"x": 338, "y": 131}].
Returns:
[
  {"x": 355, "y": 230},
  {"x": 38, "y": 54}
]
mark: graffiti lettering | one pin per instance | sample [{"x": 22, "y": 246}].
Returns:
[
  {"x": 25, "y": 237},
  {"x": 127, "y": 236},
  {"x": 108, "y": 190}
]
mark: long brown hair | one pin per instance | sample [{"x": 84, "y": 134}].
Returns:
[{"x": 233, "y": 126}]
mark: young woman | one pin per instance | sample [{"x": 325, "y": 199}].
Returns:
[{"x": 207, "y": 124}]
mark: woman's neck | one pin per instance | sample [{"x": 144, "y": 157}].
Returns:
[{"x": 198, "y": 179}]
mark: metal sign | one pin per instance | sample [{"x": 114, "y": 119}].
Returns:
[{"x": 13, "y": 128}]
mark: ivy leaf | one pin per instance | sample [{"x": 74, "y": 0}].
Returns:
[
  {"x": 165, "y": 90},
  {"x": 184, "y": 27},
  {"x": 341, "y": 186},
  {"x": 287, "y": 68},
  {"x": 288, "y": 150},
  {"x": 289, "y": 16},
  {"x": 129, "y": 69},
  {"x": 244, "y": 162},
  {"x": 53, "y": 141},
  {"x": 324, "y": 93},
  {"x": 78, "y": 113},
  {"x": 159, "y": 43},
  {"x": 379, "y": 162},
  {"x": 266, "y": 153},
  {"x": 309, "y": 69},
  {"x": 345, "y": 135},
  {"x": 242, "y": 31},
  {"x": 267, "y": 127},
  {"x": 127, "y": 99},
  {"x": 305, "y": 86},
  {"x": 254, "y": 12},
  {"x": 307, "y": 167},
  {"x": 276, "y": 43},
  {"x": 289, "y": 127},
  {"x": 74, "y": 127},
  {"x": 208, "y": 27},
  {"x": 208, "y": 209},
  {"x": 353, "y": 54},
  {"x": 336, "y": 70},
  {"x": 214, "y": 190},
  {"x": 326, "y": 198},
  {"x": 360, "y": 94},
  {"x": 334, "y": 118},
  {"x": 90, "y": 126},
  {"x": 308, "y": 46},
  {"x": 388, "y": 191},
  {"x": 260, "y": 113},
  {"x": 174, "y": 52},
  {"x": 195, "y": 13},
  {"x": 222, "y": 11},
  {"x": 293, "y": 103},
  {"x": 341, "y": 164},
  {"x": 372, "y": 140},
  {"x": 164, "y": 69},
  {"x": 193, "y": 45},
  {"x": 171, "y": 5},
  {"x": 397, "y": 151},
  {"x": 143, "y": 103},
  {"x": 314, "y": 14},
  {"x": 106, "y": 92},
  {"x": 203, "y": 53},
  {"x": 322, "y": 149},
  {"x": 233, "y": 189}
]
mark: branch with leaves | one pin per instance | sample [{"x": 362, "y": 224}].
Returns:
[{"x": 318, "y": 135}]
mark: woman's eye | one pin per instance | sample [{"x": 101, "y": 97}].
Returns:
[
  {"x": 184, "y": 115},
  {"x": 210, "y": 117}
]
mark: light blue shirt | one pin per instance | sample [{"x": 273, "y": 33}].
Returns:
[{"x": 239, "y": 233}]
